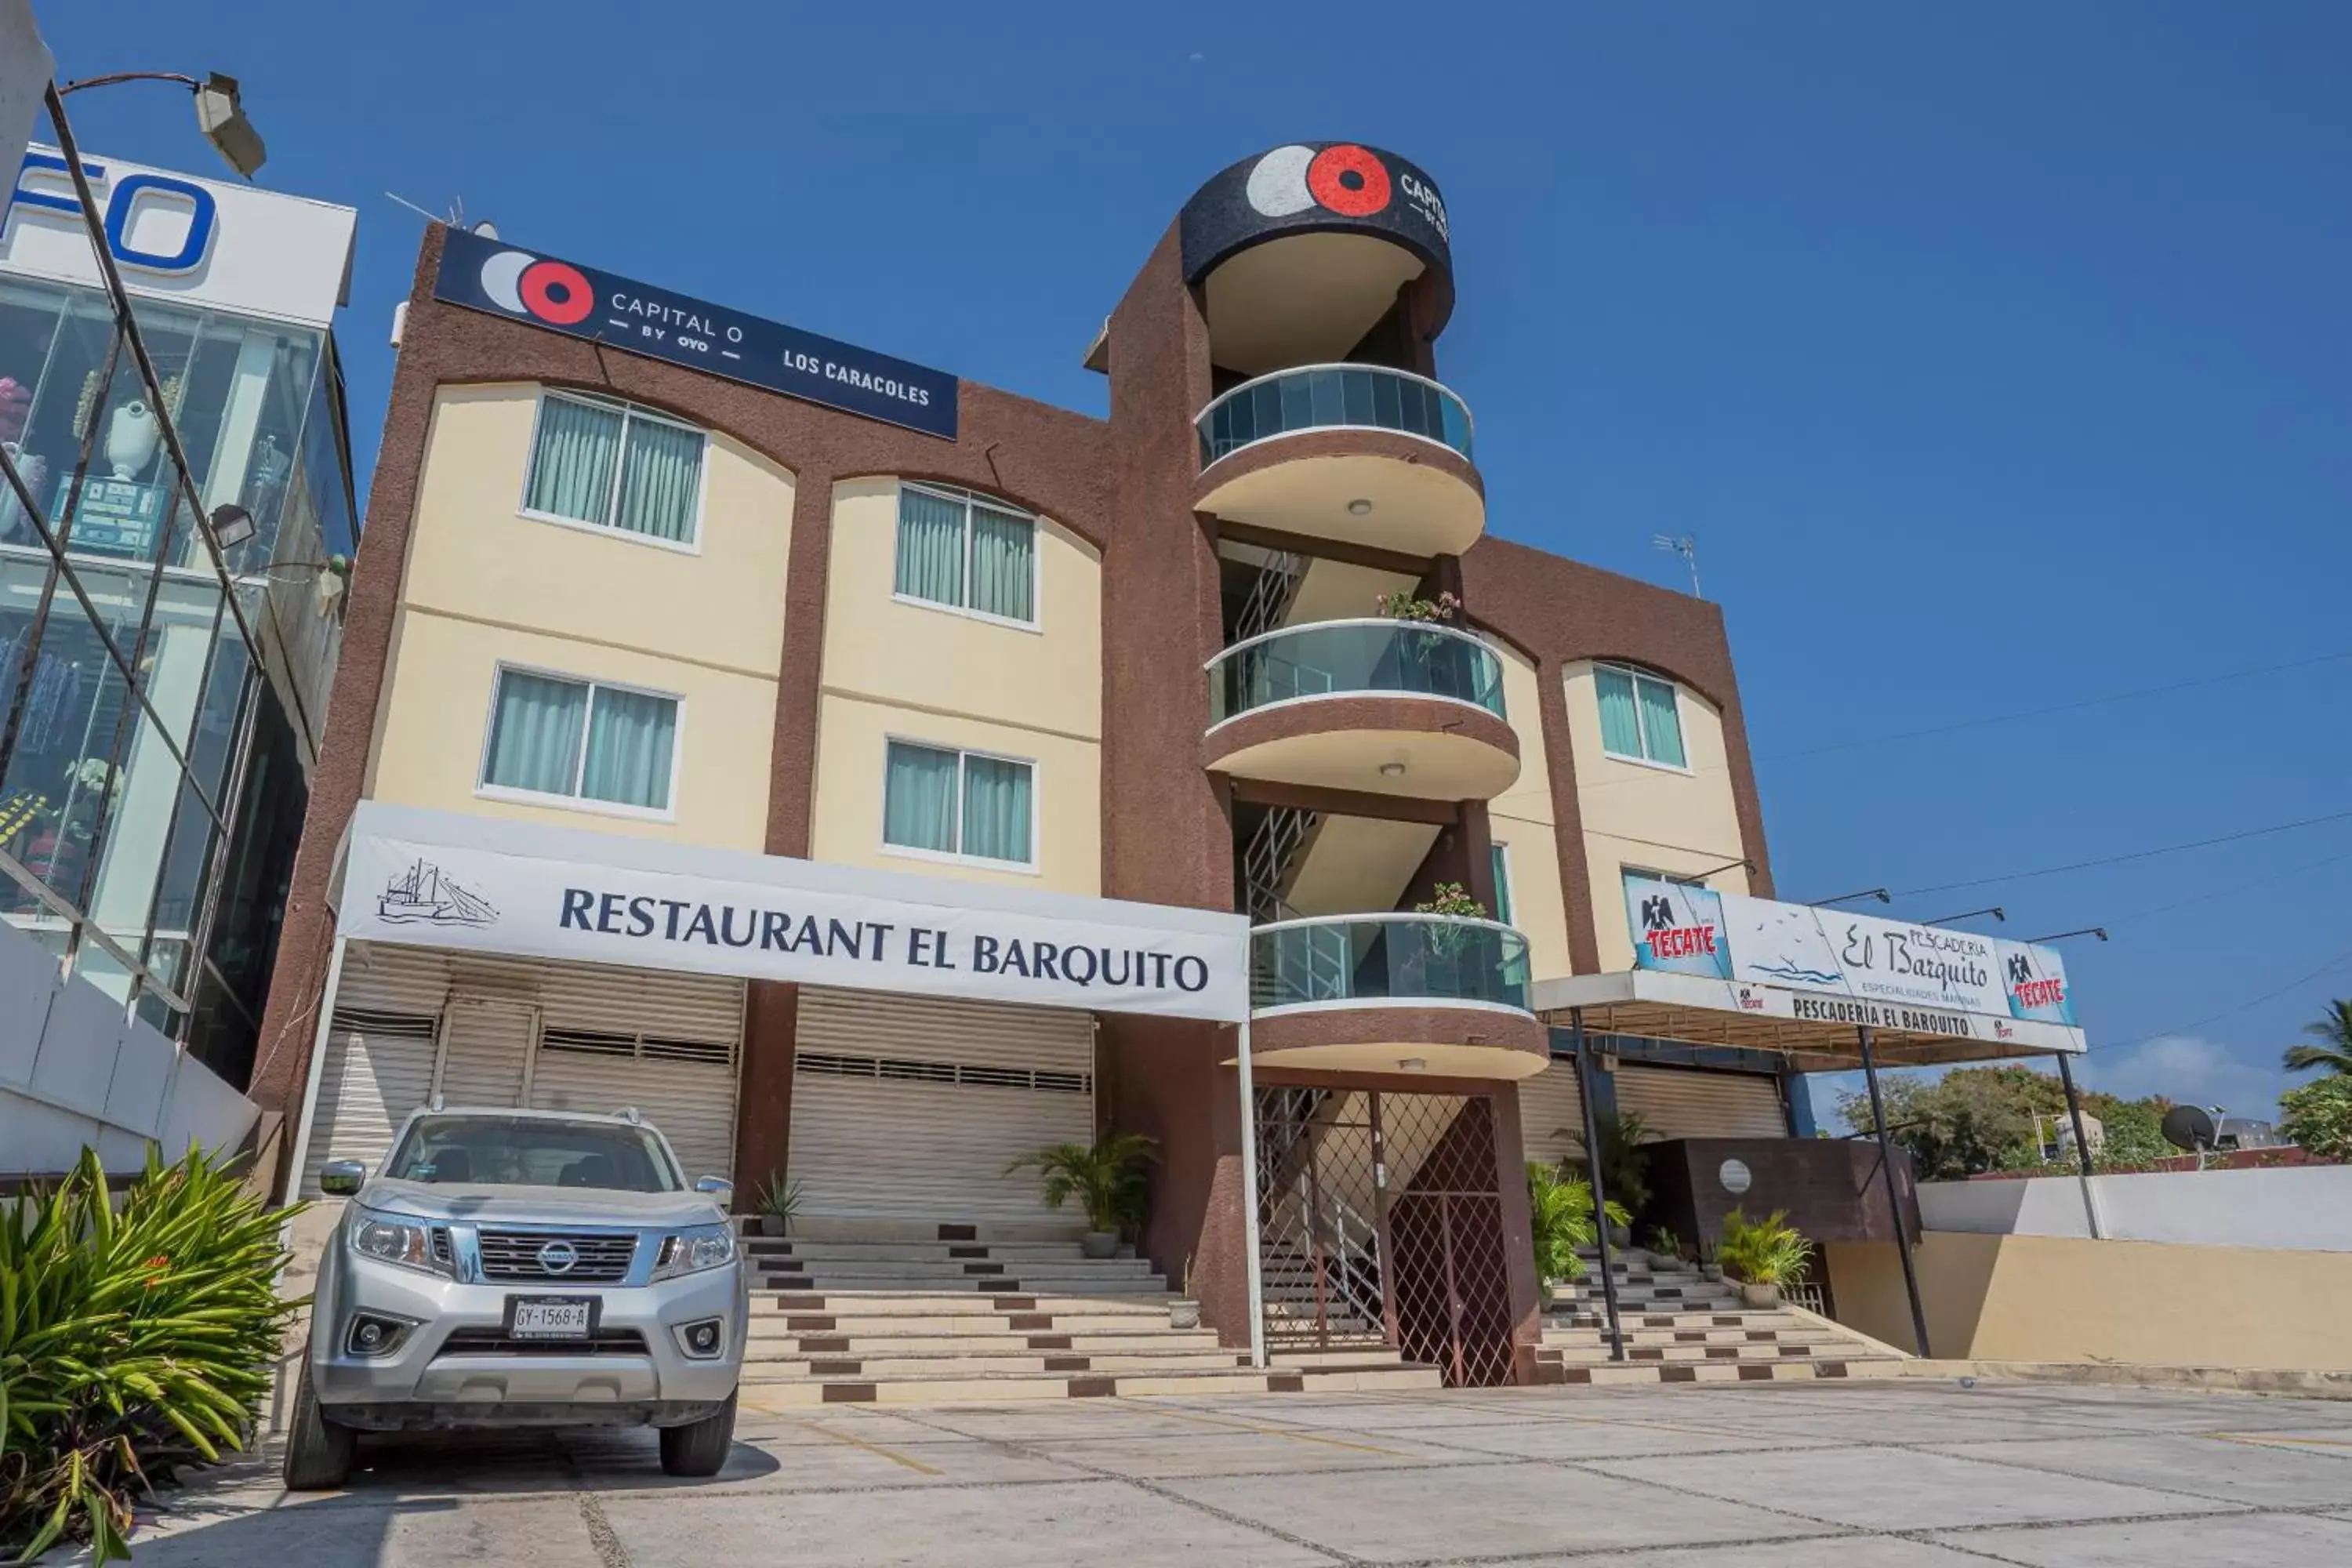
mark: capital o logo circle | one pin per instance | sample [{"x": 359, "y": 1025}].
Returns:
[
  {"x": 1348, "y": 180},
  {"x": 1344, "y": 178},
  {"x": 555, "y": 292},
  {"x": 558, "y": 1257}
]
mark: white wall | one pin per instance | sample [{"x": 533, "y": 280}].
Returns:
[
  {"x": 2295, "y": 1208},
  {"x": 75, "y": 1074}
]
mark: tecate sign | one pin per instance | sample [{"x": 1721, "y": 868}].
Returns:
[
  {"x": 581, "y": 303},
  {"x": 1871, "y": 971},
  {"x": 226, "y": 247}
]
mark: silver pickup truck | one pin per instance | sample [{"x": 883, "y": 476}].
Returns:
[{"x": 522, "y": 1268}]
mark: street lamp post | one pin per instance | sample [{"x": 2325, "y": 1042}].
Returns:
[{"x": 220, "y": 114}]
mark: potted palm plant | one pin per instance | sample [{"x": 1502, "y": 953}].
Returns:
[
  {"x": 1560, "y": 1207},
  {"x": 778, "y": 1200},
  {"x": 1762, "y": 1254},
  {"x": 1105, "y": 1176}
]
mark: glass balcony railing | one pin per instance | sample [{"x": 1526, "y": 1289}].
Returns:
[
  {"x": 1333, "y": 398},
  {"x": 1326, "y": 658},
  {"x": 1375, "y": 958}
]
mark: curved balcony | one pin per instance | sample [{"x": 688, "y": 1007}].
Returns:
[
  {"x": 1394, "y": 992},
  {"x": 1405, "y": 707},
  {"x": 1353, "y": 452}
]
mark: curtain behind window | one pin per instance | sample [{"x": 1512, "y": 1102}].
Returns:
[
  {"x": 1003, "y": 564},
  {"x": 996, "y": 809},
  {"x": 572, "y": 466},
  {"x": 1502, "y": 875},
  {"x": 1662, "y": 724},
  {"x": 931, "y": 547},
  {"x": 631, "y": 739},
  {"x": 535, "y": 739},
  {"x": 661, "y": 475},
  {"x": 919, "y": 798},
  {"x": 1620, "y": 730}
]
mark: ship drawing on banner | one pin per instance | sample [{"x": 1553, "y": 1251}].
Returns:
[
  {"x": 423, "y": 893},
  {"x": 1794, "y": 948}
]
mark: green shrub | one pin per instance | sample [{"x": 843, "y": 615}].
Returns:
[
  {"x": 1768, "y": 1251},
  {"x": 1560, "y": 1208},
  {"x": 2318, "y": 1116},
  {"x": 131, "y": 1341}
]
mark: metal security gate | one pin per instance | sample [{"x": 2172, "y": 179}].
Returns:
[{"x": 1379, "y": 1223}]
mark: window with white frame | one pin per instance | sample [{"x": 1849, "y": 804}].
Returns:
[
  {"x": 940, "y": 801},
  {"x": 581, "y": 739},
  {"x": 1500, "y": 859},
  {"x": 967, "y": 552},
  {"x": 1641, "y": 718},
  {"x": 616, "y": 466}
]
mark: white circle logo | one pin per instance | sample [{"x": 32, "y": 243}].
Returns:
[
  {"x": 558, "y": 1257},
  {"x": 1735, "y": 1176}
]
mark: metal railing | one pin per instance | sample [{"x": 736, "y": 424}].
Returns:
[
  {"x": 1333, "y": 398},
  {"x": 1387, "y": 958},
  {"x": 1376, "y": 655}
]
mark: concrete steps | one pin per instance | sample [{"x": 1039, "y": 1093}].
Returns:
[
  {"x": 894, "y": 1312},
  {"x": 1681, "y": 1327}
]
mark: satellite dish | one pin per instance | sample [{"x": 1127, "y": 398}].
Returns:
[{"x": 2188, "y": 1127}]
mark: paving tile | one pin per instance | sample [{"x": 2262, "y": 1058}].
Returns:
[
  {"x": 1013, "y": 1527},
  {"x": 1490, "y": 1510},
  {"x": 1246, "y": 1452},
  {"x": 1894, "y": 1487},
  {"x": 337, "y": 1533},
  {"x": 1810, "y": 1552},
  {"x": 2237, "y": 1541},
  {"x": 1063, "y": 1420},
  {"x": 2245, "y": 1472},
  {"x": 1611, "y": 1440}
]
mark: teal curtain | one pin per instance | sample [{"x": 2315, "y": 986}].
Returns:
[
  {"x": 535, "y": 738},
  {"x": 919, "y": 798},
  {"x": 1003, "y": 564},
  {"x": 931, "y": 547},
  {"x": 1620, "y": 730},
  {"x": 631, "y": 739},
  {"x": 1502, "y": 875},
  {"x": 661, "y": 475},
  {"x": 1662, "y": 724},
  {"x": 572, "y": 466},
  {"x": 996, "y": 809}
]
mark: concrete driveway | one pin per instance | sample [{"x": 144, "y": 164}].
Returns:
[{"x": 1913, "y": 1475}]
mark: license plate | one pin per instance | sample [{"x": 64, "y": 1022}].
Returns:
[{"x": 551, "y": 1317}]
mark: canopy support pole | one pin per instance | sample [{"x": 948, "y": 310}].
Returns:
[
  {"x": 1252, "y": 1267},
  {"x": 1593, "y": 1172},
  {"x": 2082, "y": 1146},
  {"x": 1894, "y": 1193}
]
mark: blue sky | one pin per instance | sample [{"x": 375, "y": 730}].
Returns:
[{"x": 1998, "y": 355}]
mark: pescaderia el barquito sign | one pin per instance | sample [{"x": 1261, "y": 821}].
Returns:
[
  {"x": 782, "y": 920},
  {"x": 1829, "y": 966},
  {"x": 580, "y": 301}
]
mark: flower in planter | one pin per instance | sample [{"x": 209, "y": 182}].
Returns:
[{"x": 1403, "y": 606}]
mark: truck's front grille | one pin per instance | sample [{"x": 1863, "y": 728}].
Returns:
[
  {"x": 494, "y": 1342},
  {"x": 597, "y": 1256}
]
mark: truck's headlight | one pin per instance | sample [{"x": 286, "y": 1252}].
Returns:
[
  {"x": 694, "y": 1249},
  {"x": 395, "y": 1239}
]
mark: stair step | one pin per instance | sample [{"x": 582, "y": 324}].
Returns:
[
  {"x": 963, "y": 1363},
  {"x": 970, "y": 1303},
  {"x": 1789, "y": 1371},
  {"x": 1845, "y": 1349},
  {"x": 991, "y": 1390},
  {"x": 843, "y": 1227}
]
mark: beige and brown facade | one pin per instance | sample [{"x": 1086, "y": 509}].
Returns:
[{"x": 1147, "y": 658}]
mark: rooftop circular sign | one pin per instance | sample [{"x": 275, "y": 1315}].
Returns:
[{"x": 1317, "y": 187}]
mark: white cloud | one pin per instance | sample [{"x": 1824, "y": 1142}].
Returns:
[{"x": 2191, "y": 1070}]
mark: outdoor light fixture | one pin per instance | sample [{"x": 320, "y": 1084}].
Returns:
[
  {"x": 232, "y": 525},
  {"x": 1995, "y": 912},
  {"x": 2099, "y": 932},
  {"x": 1359, "y": 507},
  {"x": 1391, "y": 770},
  {"x": 1413, "y": 1064},
  {"x": 1711, "y": 870},
  {"x": 1881, "y": 894},
  {"x": 220, "y": 116}
]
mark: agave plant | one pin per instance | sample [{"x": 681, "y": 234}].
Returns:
[
  {"x": 1560, "y": 1207},
  {"x": 131, "y": 1341},
  {"x": 1105, "y": 1176},
  {"x": 1769, "y": 1251}
]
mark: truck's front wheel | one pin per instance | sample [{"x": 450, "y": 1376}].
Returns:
[
  {"x": 319, "y": 1453},
  {"x": 700, "y": 1448}
]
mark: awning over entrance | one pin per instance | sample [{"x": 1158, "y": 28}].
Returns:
[
  {"x": 430, "y": 878},
  {"x": 1816, "y": 1032}
]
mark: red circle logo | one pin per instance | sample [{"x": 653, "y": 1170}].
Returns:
[
  {"x": 1348, "y": 180},
  {"x": 557, "y": 293}
]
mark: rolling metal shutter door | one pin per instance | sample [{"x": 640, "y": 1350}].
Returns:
[
  {"x": 379, "y": 1061},
  {"x": 1551, "y": 1115},
  {"x": 1693, "y": 1102},
  {"x": 910, "y": 1108},
  {"x": 485, "y": 1047}
]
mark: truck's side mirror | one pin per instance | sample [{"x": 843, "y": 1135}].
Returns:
[
  {"x": 718, "y": 1187},
  {"x": 341, "y": 1178}
]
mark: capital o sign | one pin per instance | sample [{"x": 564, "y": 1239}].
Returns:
[{"x": 1310, "y": 187}]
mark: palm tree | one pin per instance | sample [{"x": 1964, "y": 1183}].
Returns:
[{"x": 2333, "y": 1030}]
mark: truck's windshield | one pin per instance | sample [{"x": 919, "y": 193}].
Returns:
[{"x": 531, "y": 1151}]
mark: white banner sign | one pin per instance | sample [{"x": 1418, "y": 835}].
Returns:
[
  {"x": 1859, "y": 965},
  {"x": 1101, "y": 955}
]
